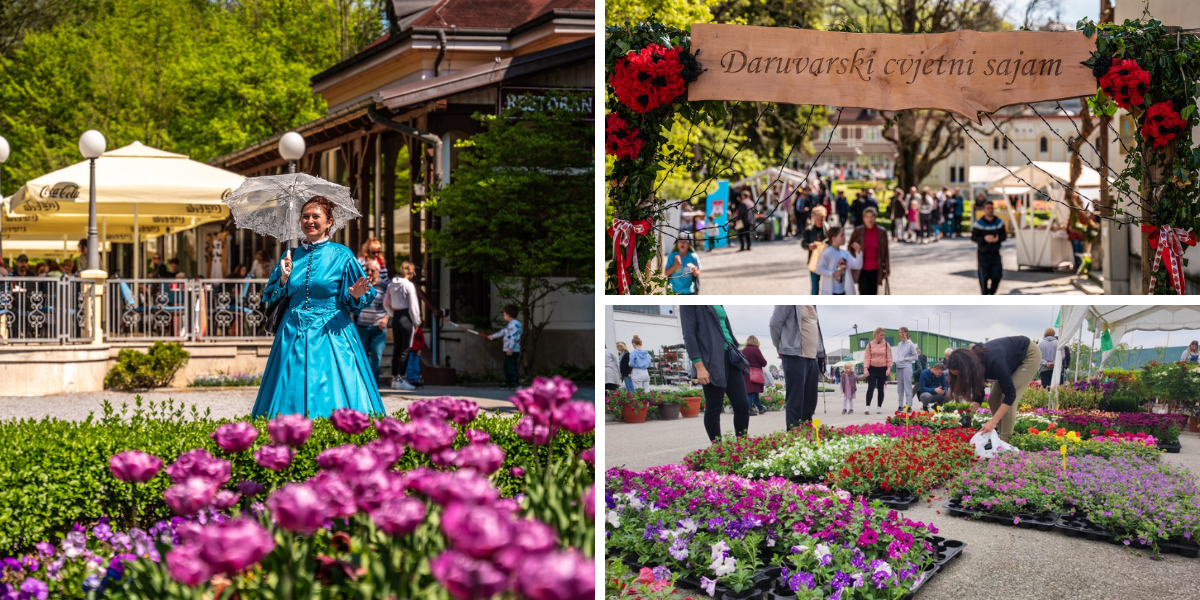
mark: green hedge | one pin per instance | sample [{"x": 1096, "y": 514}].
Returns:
[{"x": 55, "y": 473}]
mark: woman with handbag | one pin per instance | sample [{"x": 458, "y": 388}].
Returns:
[
  {"x": 403, "y": 307},
  {"x": 755, "y": 376},
  {"x": 317, "y": 363},
  {"x": 876, "y": 264},
  {"x": 708, "y": 338},
  {"x": 814, "y": 239}
]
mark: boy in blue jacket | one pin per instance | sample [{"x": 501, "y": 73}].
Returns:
[{"x": 932, "y": 388}]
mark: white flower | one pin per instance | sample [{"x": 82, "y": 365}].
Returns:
[
  {"x": 821, "y": 550},
  {"x": 719, "y": 549},
  {"x": 723, "y": 565},
  {"x": 884, "y": 568},
  {"x": 688, "y": 525},
  {"x": 613, "y": 518}
]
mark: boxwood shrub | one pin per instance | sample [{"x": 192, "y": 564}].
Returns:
[{"x": 54, "y": 473}]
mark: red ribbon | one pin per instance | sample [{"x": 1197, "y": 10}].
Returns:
[
  {"x": 624, "y": 235},
  {"x": 1168, "y": 244}
]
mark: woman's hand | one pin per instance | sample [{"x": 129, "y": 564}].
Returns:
[
  {"x": 360, "y": 287},
  {"x": 383, "y": 323},
  {"x": 702, "y": 374},
  {"x": 987, "y": 427},
  {"x": 285, "y": 268}
]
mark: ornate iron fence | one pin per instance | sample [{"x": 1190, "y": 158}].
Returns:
[
  {"x": 45, "y": 310},
  {"x": 231, "y": 309}
]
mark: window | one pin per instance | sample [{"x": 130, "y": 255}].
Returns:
[
  {"x": 995, "y": 143},
  {"x": 1004, "y": 144},
  {"x": 962, "y": 174},
  {"x": 858, "y": 133},
  {"x": 862, "y": 344},
  {"x": 873, "y": 133},
  {"x": 645, "y": 310},
  {"x": 953, "y": 174},
  {"x": 1043, "y": 145}
]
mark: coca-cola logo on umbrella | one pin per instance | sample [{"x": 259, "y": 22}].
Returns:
[{"x": 64, "y": 190}]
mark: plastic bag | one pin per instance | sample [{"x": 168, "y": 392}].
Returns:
[{"x": 989, "y": 445}]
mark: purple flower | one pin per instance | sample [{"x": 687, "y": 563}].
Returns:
[
  {"x": 589, "y": 502},
  {"x": 189, "y": 497},
  {"x": 541, "y": 400},
  {"x": 444, "y": 408},
  {"x": 185, "y": 566},
  {"x": 430, "y": 435},
  {"x": 232, "y": 438},
  {"x": 802, "y": 579},
  {"x": 456, "y": 486},
  {"x": 532, "y": 537},
  {"x": 399, "y": 515},
  {"x": 134, "y": 466},
  {"x": 559, "y": 575},
  {"x": 484, "y": 458},
  {"x": 225, "y": 499},
  {"x": 335, "y": 493},
  {"x": 476, "y": 436},
  {"x": 577, "y": 417},
  {"x": 74, "y": 544},
  {"x": 30, "y": 562},
  {"x": 390, "y": 429},
  {"x": 290, "y": 430},
  {"x": 34, "y": 588},
  {"x": 467, "y": 578},
  {"x": 589, "y": 455},
  {"x": 350, "y": 421},
  {"x": 275, "y": 458},
  {"x": 372, "y": 489},
  {"x": 45, "y": 548},
  {"x": 232, "y": 546},
  {"x": 297, "y": 507},
  {"x": 197, "y": 462},
  {"x": 529, "y": 430},
  {"x": 517, "y": 472},
  {"x": 102, "y": 531},
  {"x": 387, "y": 451},
  {"x": 333, "y": 458},
  {"x": 250, "y": 489},
  {"x": 709, "y": 586},
  {"x": 478, "y": 530}
]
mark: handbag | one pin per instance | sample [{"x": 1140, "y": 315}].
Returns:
[
  {"x": 418, "y": 343},
  {"x": 275, "y": 312},
  {"x": 737, "y": 359},
  {"x": 756, "y": 375},
  {"x": 814, "y": 256}
]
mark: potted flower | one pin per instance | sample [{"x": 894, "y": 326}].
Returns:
[
  {"x": 692, "y": 400},
  {"x": 669, "y": 406},
  {"x": 635, "y": 406}
]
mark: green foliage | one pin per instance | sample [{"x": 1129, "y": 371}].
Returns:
[
  {"x": 135, "y": 371},
  {"x": 1178, "y": 381},
  {"x": 55, "y": 473},
  {"x": 522, "y": 194}
]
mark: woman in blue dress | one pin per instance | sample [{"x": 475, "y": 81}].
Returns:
[{"x": 317, "y": 363}]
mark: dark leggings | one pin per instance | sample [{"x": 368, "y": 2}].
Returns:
[
  {"x": 876, "y": 380},
  {"x": 402, "y": 328},
  {"x": 868, "y": 282},
  {"x": 744, "y": 239},
  {"x": 714, "y": 403}
]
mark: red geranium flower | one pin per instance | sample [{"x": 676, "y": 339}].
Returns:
[
  {"x": 648, "y": 79},
  {"x": 1162, "y": 124},
  {"x": 1126, "y": 83},
  {"x": 620, "y": 139}
]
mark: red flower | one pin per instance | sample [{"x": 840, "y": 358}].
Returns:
[
  {"x": 620, "y": 139},
  {"x": 648, "y": 79},
  {"x": 1162, "y": 124},
  {"x": 1126, "y": 83}
]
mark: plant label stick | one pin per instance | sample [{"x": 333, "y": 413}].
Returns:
[{"x": 817, "y": 429}]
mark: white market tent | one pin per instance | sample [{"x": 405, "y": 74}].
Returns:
[{"x": 1120, "y": 320}]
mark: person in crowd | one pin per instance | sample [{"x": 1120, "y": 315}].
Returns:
[
  {"x": 158, "y": 270},
  {"x": 837, "y": 376},
  {"x": 849, "y": 385},
  {"x": 802, "y": 207},
  {"x": 683, "y": 267},
  {"x": 926, "y": 206},
  {"x": 841, "y": 199},
  {"x": 932, "y": 388},
  {"x": 958, "y": 209},
  {"x": 898, "y": 212},
  {"x": 876, "y": 261},
  {"x": 1191, "y": 353},
  {"x": 946, "y": 354},
  {"x": 1048, "y": 348},
  {"x": 754, "y": 389},
  {"x": 744, "y": 219},
  {"x": 796, "y": 335},
  {"x": 174, "y": 271},
  {"x": 842, "y": 207},
  {"x": 639, "y": 362},
  {"x": 258, "y": 268},
  {"x": 317, "y": 363},
  {"x": 699, "y": 232},
  {"x": 877, "y": 362},
  {"x": 870, "y": 202},
  {"x": 43, "y": 270},
  {"x": 947, "y": 219},
  {"x": 623, "y": 364},
  {"x": 4, "y": 272},
  {"x": 52, "y": 268},
  {"x": 612, "y": 370},
  {"x": 403, "y": 308},
  {"x": 988, "y": 233},
  {"x": 856, "y": 210},
  {"x": 939, "y": 206},
  {"x": 68, "y": 267},
  {"x": 813, "y": 238},
  {"x": 372, "y": 322},
  {"x": 511, "y": 333},
  {"x": 1011, "y": 362},
  {"x": 243, "y": 272},
  {"x": 83, "y": 250},
  {"x": 906, "y": 354},
  {"x": 709, "y": 341},
  {"x": 372, "y": 250},
  {"x": 836, "y": 263},
  {"x": 22, "y": 268}
]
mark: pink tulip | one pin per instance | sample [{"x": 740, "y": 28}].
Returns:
[
  {"x": 225, "y": 499},
  {"x": 399, "y": 515},
  {"x": 589, "y": 502},
  {"x": 430, "y": 435},
  {"x": 530, "y": 431},
  {"x": 589, "y": 455},
  {"x": 484, "y": 458},
  {"x": 559, "y": 575},
  {"x": 290, "y": 430},
  {"x": 275, "y": 458},
  {"x": 387, "y": 451},
  {"x": 189, "y": 497},
  {"x": 517, "y": 472},
  {"x": 541, "y": 400},
  {"x": 391, "y": 429},
  {"x": 476, "y": 436},
  {"x": 197, "y": 462},
  {"x": 185, "y": 566},
  {"x": 577, "y": 417},
  {"x": 333, "y": 458},
  {"x": 372, "y": 489},
  {"x": 337, "y": 495},
  {"x": 360, "y": 462},
  {"x": 232, "y": 546},
  {"x": 455, "y": 486},
  {"x": 467, "y": 578},
  {"x": 477, "y": 530},
  {"x": 233, "y": 438},
  {"x": 350, "y": 421},
  {"x": 297, "y": 507},
  {"x": 444, "y": 409},
  {"x": 532, "y": 537},
  {"x": 134, "y": 466},
  {"x": 250, "y": 488}
]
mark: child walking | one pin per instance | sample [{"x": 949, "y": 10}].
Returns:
[
  {"x": 849, "y": 386},
  {"x": 512, "y": 345}
]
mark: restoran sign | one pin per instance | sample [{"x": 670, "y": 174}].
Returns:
[{"x": 964, "y": 72}]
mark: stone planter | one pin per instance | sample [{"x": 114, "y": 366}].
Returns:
[
  {"x": 668, "y": 411},
  {"x": 693, "y": 407},
  {"x": 632, "y": 415}
]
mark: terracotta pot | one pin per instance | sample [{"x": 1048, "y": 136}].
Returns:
[
  {"x": 668, "y": 411},
  {"x": 632, "y": 415},
  {"x": 693, "y": 407},
  {"x": 1194, "y": 424}
]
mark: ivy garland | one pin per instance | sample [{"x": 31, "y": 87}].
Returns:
[{"x": 1142, "y": 67}]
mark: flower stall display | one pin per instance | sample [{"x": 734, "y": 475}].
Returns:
[
  {"x": 1035, "y": 440},
  {"x": 884, "y": 429},
  {"x": 719, "y": 532},
  {"x": 913, "y": 465},
  {"x": 808, "y": 460},
  {"x": 930, "y": 419},
  {"x": 729, "y": 452}
]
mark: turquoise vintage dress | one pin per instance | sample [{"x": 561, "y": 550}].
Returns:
[{"x": 317, "y": 363}]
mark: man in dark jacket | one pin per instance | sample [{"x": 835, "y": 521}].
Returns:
[
  {"x": 988, "y": 233},
  {"x": 796, "y": 335},
  {"x": 842, "y": 207},
  {"x": 708, "y": 338},
  {"x": 932, "y": 389}
]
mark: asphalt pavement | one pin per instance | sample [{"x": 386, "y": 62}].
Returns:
[{"x": 999, "y": 563}]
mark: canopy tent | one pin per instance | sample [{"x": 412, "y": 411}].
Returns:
[
  {"x": 1120, "y": 320},
  {"x": 134, "y": 182},
  {"x": 1051, "y": 176}
]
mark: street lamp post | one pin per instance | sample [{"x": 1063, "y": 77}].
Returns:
[
  {"x": 91, "y": 146},
  {"x": 949, "y": 324},
  {"x": 3, "y": 157},
  {"x": 291, "y": 148}
]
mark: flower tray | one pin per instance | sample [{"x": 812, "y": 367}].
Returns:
[
  {"x": 1170, "y": 448},
  {"x": 947, "y": 550},
  {"x": 1074, "y": 526},
  {"x": 1043, "y": 522},
  {"x": 894, "y": 500},
  {"x": 1079, "y": 526}
]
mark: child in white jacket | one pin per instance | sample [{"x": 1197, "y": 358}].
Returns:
[{"x": 836, "y": 263}]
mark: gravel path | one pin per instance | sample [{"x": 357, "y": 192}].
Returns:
[
  {"x": 999, "y": 563},
  {"x": 227, "y": 402}
]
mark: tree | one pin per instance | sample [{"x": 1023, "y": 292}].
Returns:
[
  {"x": 520, "y": 210},
  {"x": 923, "y": 138}
]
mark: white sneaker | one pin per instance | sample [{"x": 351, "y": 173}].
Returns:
[
  {"x": 405, "y": 385},
  {"x": 396, "y": 383}
]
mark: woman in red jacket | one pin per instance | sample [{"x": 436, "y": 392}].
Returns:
[{"x": 757, "y": 363}]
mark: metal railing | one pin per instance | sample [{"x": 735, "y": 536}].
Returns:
[
  {"x": 184, "y": 309},
  {"x": 230, "y": 309},
  {"x": 45, "y": 310}
]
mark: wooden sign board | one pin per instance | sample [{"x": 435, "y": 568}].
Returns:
[{"x": 964, "y": 72}]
